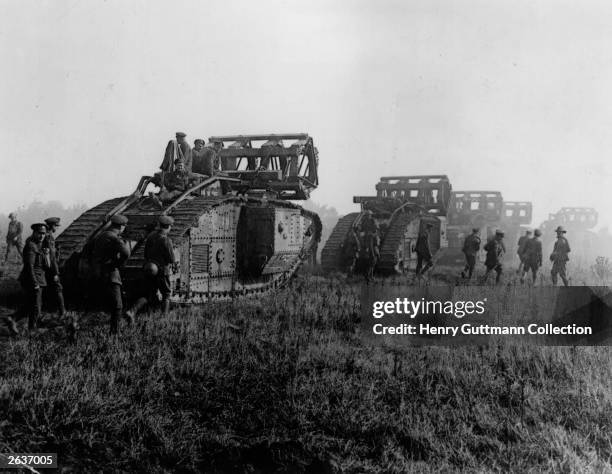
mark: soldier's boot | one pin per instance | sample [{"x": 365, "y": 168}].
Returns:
[
  {"x": 61, "y": 306},
  {"x": 165, "y": 306},
  {"x": 554, "y": 279},
  {"x": 564, "y": 279}
]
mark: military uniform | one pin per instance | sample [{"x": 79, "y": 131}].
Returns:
[
  {"x": 159, "y": 251},
  {"x": 33, "y": 279},
  {"x": 177, "y": 149},
  {"x": 109, "y": 253},
  {"x": 471, "y": 246},
  {"x": 423, "y": 253},
  {"x": 560, "y": 257},
  {"x": 54, "y": 283},
  {"x": 13, "y": 238},
  {"x": 532, "y": 257},
  {"x": 203, "y": 161},
  {"x": 495, "y": 251}
]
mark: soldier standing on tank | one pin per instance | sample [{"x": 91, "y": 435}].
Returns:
[
  {"x": 13, "y": 236},
  {"x": 471, "y": 247},
  {"x": 520, "y": 250},
  {"x": 423, "y": 251},
  {"x": 177, "y": 149},
  {"x": 202, "y": 159},
  {"x": 109, "y": 253},
  {"x": 52, "y": 274},
  {"x": 495, "y": 252},
  {"x": 559, "y": 257},
  {"x": 532, "y": 256},
  {"x": 159, "y": 263},
  {"x": 36, "y": 263}
]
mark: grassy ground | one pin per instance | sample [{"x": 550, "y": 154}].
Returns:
[{"x": 285, "y": 384}]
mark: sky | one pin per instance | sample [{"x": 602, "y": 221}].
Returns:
[{"x": 512, "y": 96}]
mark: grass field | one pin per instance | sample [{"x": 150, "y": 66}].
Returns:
[{"x": 286, "y": 384}]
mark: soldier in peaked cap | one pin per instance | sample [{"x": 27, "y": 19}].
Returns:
[
  {"x": 471, "y": 247},
  {"x": 495, "y": 253},
  {"x": 109, "y": 253},
  {"x": 559, "y": 256},
  {"x": 177, "y": 149},
  {"x": 13, "y": 236},
  {"x": 32, "y": 277},
  {"x": 53, "y": 276},
  {"x": 159, "y": 264}
]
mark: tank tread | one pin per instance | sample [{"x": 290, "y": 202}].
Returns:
[
  {"x": 388, "y": 262},
  {"x": 331, "y": 256}
]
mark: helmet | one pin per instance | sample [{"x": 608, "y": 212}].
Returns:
[
  {"x": 150, "y": 269},
  {"x": 537, "y": 232}
]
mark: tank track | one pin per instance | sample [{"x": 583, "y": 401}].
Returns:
[
  {"x": 75, "y": 237},
  {"x": 389, "y": 255},
  {"x": 331, "y": 256}
]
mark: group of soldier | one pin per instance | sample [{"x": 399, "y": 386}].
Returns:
[
  {"x": 529, "y": 250},
  {"x": 109, "y": 251}
]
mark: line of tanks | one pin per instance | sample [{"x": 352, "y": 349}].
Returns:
[
  {"x": 240, "y": 232},
  {"x": 404, "y": 205}
]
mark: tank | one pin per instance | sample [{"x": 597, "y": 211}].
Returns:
[
  {"x": 516, "y": 217},
  {"x": 586, "y": 245},
  {"x": 467, "y": 210},
  {"x": 236, "y": 233},
  {"x": 401, "y": 208}
]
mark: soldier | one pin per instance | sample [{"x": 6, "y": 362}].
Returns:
[
  {"x": 559, "y": 256},
  {"x": 177, "y": 149},
  {"x": 520, "y": 250},
  {"x": 175, "y": 183},
  {"x": 423, "y": 252},
  {"x": 32, "y": 277},
  {"x": 13, "y": 236},
  {"x": 532, "y": 256},
  {"x": 159, "y": 262},
  {"x": 52, "y": 274},
  {"x": 471, "y": 247},
  {"x": 108, "y": 254},
  {"x": 495, "y": 252}
]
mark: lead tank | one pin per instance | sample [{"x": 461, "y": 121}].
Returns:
[{"x": 236, "y": 233}]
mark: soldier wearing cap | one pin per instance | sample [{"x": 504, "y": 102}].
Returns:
[
  {"x": 471, "y": 247},
  {"x": 202, "y": 159},
  {"x": 52, "y": 275},
  {"x": 423, "y": 251},
  {"x": 175, "y": 183},
  {"x": 520, "y": 249},
  {"x": 109, "y": 253},
  {"x": 36, "y": 263},
  {"x": 177, "y": 149},
  {"x": 559, "y": 256},
  {"x": 13, "y": 236},
  {"x": 495, "y": 253},
  {"x": 532, "y": 256},
  {"x": 159, "y": 263}
]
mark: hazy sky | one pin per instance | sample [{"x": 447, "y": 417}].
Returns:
[{"x": 506, "y": 95}]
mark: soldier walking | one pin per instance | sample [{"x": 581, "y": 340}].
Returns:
[
  {"x": 52, "y": 275},
  {"x": 423, "y": 251},
  {"x": 520, "y": 250},
  {"x": 471, "y": 247},
  {"x": 32, "y": 277},
  {"x": 495, "y": 253},
  {"x": 532, "y": 256},
  {"x": 159, "y": 263},
  {"x": 559, "y": 256},
  {"x": 13, "y": 236},
  {"x": 109, "y": 253}
]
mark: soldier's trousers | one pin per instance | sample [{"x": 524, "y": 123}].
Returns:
[
  {"x": 558, "y": 268},
  {"x": 57, "y": 290},
  {"x": 33, "y": 305},
  {"x": 114, "y": 304},
  {"x": 428, "y": 264},
  {"x": 159, "y": 282},
  {"x": 498, "y": 269},
  {"x": 470, "y": 264},
  {"x": 9, "y": 245}
]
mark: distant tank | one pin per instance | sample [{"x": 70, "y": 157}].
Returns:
[
  {"x": 578, "y": 221},
  {"x": 402, "y": 207},
  {"x": 468, "y": 210},
  {"x": 516, "y": 216},
  {"x": 235, "y": 233}
]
